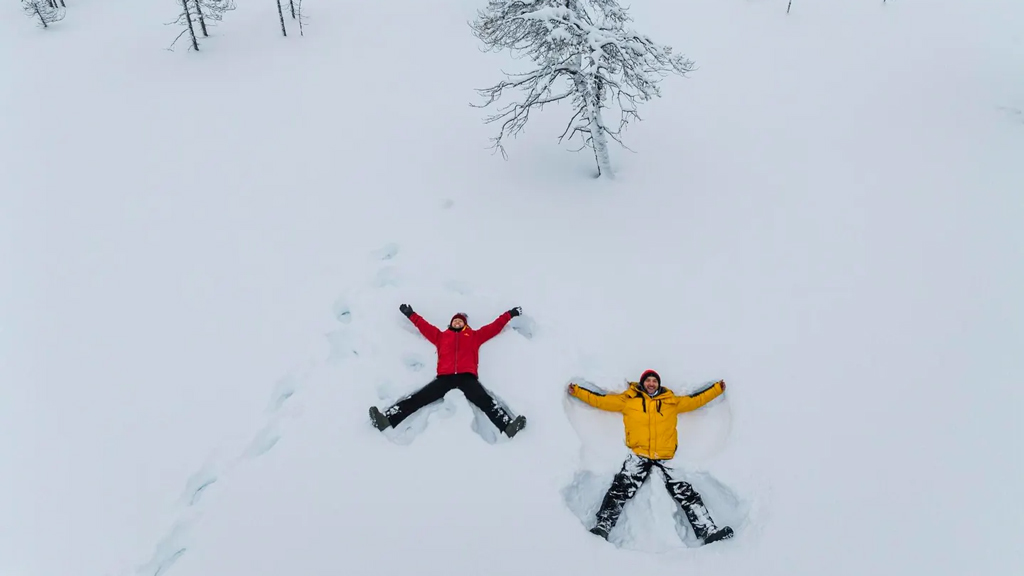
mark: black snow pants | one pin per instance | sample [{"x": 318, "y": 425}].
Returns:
[
  {"x": 436, "y": 390},
  {"x": 634, "y": 473}
]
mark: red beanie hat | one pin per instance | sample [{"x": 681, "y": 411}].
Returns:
[{"x": 650, "y": 373}]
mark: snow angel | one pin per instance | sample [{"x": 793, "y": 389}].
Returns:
[
  {"x": 649, "y": 413},
  {"x": 457, "y": 359}
]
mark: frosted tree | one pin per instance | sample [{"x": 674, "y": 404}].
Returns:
[
  {"x": 211, "y": 10},
  {"x": 185, "y": 19},
  {"x": 45, "y": 11},
  {"x": 583, "y": 52}
]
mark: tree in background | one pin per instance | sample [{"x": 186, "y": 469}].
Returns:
[
  {"x": 46, "y": 11},
  {"x": 280, "y": 16},
  {"x": 584, "y": 52},
  {"x": 211, "y": 10},
  {"x": 185, "y": 18},
  {"x": 298, "y": 16}
]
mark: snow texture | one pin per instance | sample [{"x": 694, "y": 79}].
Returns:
[{"x": 202, "y": 255}]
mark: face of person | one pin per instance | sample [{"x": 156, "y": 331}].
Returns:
[
  {"x": 458, "y": 324},
  {"x": 651, "y": 384}
]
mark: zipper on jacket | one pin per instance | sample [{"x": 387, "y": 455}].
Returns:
[{"x": 650, "y": 428}]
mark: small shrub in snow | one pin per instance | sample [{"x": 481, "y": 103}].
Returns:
[
  {"x": 45, "y": 11},
  {"x": 583, "y": 51}
]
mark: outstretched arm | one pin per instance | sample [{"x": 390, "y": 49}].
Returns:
[
  {"x": 613, "y": 403},
  {"x": 491, "y": 330},
  {"x": 429, "y": 331},
  {"x": 698, "y": 399}
]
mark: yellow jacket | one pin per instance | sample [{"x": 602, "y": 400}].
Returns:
[{"x": 650, "y": 421}]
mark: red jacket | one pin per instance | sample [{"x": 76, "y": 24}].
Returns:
[{"x": 458, "y": 352}]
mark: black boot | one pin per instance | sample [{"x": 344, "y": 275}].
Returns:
[
  {"x": 515, "y": 426},
  {"x": 723, "y": 533},
  {"x": 599, "y": 531},
  {"x": 380, "y": 421}
]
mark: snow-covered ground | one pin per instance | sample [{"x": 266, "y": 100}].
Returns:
[{"x": 203, "y": 255}]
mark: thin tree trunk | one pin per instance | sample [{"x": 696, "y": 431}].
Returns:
[
  {"x": 41, "y": 19},
  {"x": 598, "y": 138},
  {"x": 191, "y": 30},
  {"x": 788, "y": 6},
  {"x": 280, "y": 14},
  {"x": 291, "y": 3},
  {"x": 202, "y": 21},
  {"x": 301, "y": 32},
  {"x": 600, "y": 142}
]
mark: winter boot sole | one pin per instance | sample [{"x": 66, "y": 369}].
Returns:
[
  {"x": 723, "y": 533},
  {"x": 515, "y": 426},
  {"x": 380, "y": 421},
  {"x": 597, "y": 531}
]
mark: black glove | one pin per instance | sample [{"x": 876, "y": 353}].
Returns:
[
  {"x": 515, "y": 311},
  {"x": 406, "y": 309}
]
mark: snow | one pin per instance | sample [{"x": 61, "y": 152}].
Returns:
[{"x": 203, "y": 255}]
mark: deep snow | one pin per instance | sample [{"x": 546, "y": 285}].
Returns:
[{"x": 204, "y": 253}]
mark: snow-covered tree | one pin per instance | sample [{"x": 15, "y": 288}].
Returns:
[
  {"x": 185, "y": 19},
  {"x": 211, "y": 10},
  {"x": 45, "y": 11},
  {"x": 583, "y": 51}
]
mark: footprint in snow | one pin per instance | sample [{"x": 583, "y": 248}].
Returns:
[
  {"x": 385, "y": 277},
  {"x": 264, "y": 440},
  {"x": 170, "y": 548},
  {"x": 388, "y": 252},
  {"x": 283, "y": 390},
  {"x": 159, "y": 567},
  {"x": 342, "y": 311},
  {"x": 342, "y": 346},
  {"x": 197, "y": 484}
]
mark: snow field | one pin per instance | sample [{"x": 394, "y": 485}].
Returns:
[{"x": 826, "y": 215}]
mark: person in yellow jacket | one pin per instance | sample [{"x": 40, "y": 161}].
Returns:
[{"x": 650, "y": 413}]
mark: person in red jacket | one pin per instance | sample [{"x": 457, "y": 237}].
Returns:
[{"x": 457, "y": 359}]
